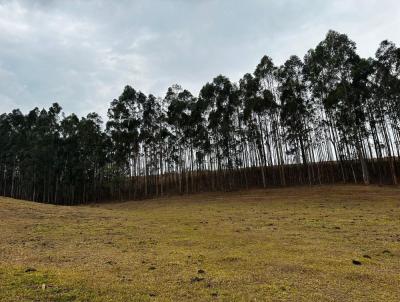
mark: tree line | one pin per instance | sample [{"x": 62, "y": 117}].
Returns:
[{"x": 332, "y": 117}]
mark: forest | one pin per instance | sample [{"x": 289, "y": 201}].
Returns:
[{"x": 331, "y": 117}]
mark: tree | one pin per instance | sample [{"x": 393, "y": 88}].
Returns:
[
  {"x": 334, "y": 117},
  {"x": 328, "y": 70},
  {"x": 125, "y": 118},
  {"x": 296, "y": 109},
  {"x": 220, "y": 99}
]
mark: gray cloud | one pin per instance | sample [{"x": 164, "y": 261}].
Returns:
[{"x": 82, "y": 53}]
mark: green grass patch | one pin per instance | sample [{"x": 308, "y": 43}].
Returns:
[{"x": 337, "y": 243}]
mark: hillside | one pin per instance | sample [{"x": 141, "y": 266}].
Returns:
[{"x": 324, "y": 243}]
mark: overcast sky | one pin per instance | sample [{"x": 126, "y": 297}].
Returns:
[{"x": 82, "y": 53}]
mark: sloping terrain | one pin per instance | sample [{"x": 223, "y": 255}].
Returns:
[{"x": 339, "y": 243}]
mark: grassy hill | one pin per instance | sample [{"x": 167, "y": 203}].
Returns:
[{"x": 339, "y": 243}]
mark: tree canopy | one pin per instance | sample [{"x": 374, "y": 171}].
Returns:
[{"x": 331, "y": 117}]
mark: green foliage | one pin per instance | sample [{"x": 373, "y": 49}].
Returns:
[{"x": 334, "y": 106}]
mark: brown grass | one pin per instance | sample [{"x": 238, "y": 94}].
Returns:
[{"x": 294, "y": 244}]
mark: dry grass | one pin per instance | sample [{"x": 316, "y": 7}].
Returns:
[{"x": 293, "y": 244}]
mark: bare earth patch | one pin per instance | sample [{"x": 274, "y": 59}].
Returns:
[{"x": 339, "y": 243}]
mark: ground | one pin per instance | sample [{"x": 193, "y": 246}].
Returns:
[{"x": 339, "y": 243}]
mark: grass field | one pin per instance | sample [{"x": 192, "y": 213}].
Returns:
[{"x": 295, "y": 244}]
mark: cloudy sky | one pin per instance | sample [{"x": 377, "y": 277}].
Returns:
[{"x": 82, "y": 53}]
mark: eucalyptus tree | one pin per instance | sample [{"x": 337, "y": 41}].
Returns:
[
  {"x": 70, "y": 155},
  {"x": 387, "y": 68},
  {"x": 43, "y": 148},
  {"x": 31, "y": 157},
  {"x": 328, "y": 69},
  {"x": 336, "y": 112},
  {"x": 5, "y": 140},
  {"x": 220, "y": 99},
  {"x": 199, "y": 134},
  {"x": 150, "y": 135},
  {"x": 257, "y": 106},
  {"x": 296, "y": 110},
  {"x": 125, "y": 118},
  {"x": 386, "y": 100},
  {"x": 12, "y": 148},
  {"x": 93, "y": 148},
  {"x": 266, "y": 75},
  {"x": 349, "y": 101},
  {"x": 180, "y": 105}
]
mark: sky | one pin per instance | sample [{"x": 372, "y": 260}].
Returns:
[{"x": 81, "y": 53}]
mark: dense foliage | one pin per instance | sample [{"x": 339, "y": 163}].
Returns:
[{"x": 332, "y": 117}]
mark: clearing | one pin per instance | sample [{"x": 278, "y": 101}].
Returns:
[{"x": 325, "y": 243}]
